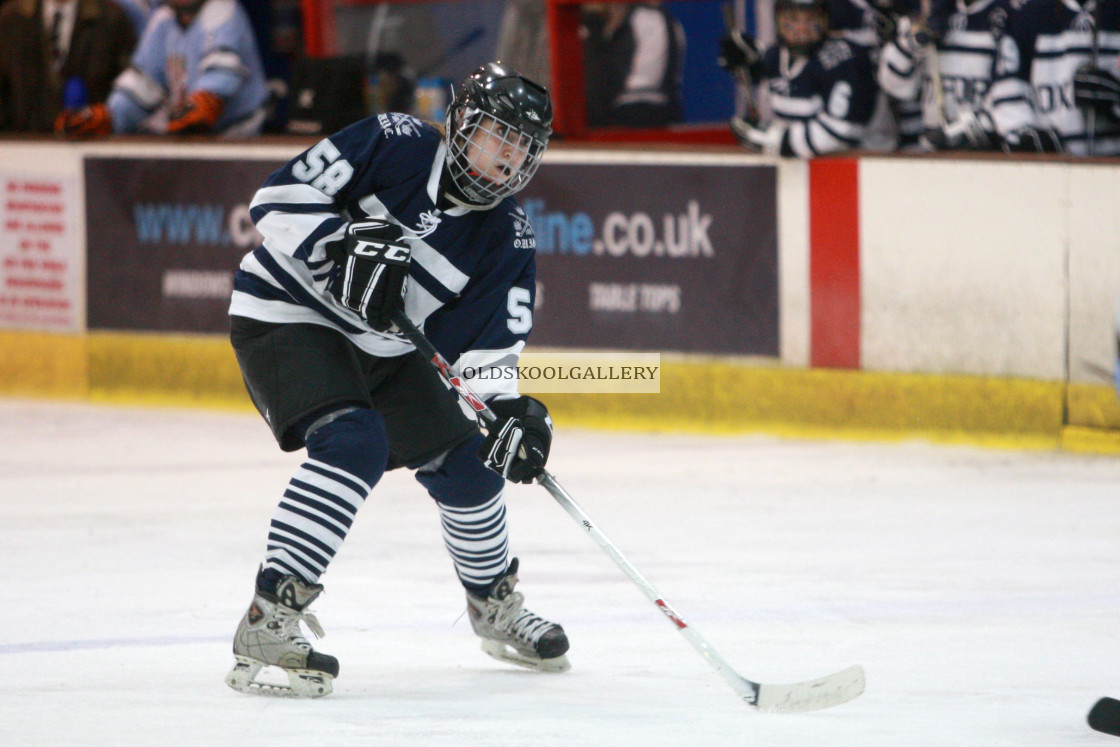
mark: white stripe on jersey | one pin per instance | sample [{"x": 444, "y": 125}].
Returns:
[
  {"x": 794, "y": 107},
  {"x": 436, "y": 265},
  {"x": 284, "y": 232},
  {"x": 144, "y": 90},
  {"x": 223, "y": 59},
  {"x": 851, "y": 132},
  {"x": 1050, "y": 44},
  {"x": 290, "y": 194}
]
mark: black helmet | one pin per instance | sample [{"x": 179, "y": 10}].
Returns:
[{"x": 508, "y": 118}]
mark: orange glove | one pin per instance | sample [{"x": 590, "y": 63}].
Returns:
[
  {"x": 199, "y": 115},
  {"x": 88, "y": 121}
]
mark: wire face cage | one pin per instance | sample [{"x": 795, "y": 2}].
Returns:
[{"x": 489, "y": 158}]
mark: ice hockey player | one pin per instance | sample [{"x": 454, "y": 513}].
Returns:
[
  {"x": 896, "y": 124},
  {"x": 392, "y": 214},
  {"x": 1055, "y": 87},
  {"x": 820, "y": 92},
  {"x": 196, "y": 70},
  {"x": 946, "y": 60}
]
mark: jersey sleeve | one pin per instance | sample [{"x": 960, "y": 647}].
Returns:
[{"x": 900, "y": 66}]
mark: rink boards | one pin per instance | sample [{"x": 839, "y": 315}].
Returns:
[{"x": 958, "y": 298}]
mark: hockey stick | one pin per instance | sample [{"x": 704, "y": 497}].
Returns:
[
  {"x": 742, "y": 75},
  {"x": 1094, "y": 60},
  {"x": 834, "y": 689},
  {"x": 933, "y": 63}
]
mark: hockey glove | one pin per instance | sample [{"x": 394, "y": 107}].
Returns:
[
  {"x": 373, "y": 260},
  {"x": 1097, "y": 89},
  {"x": 201, "y": 113},
  {"x": 88, "y": 121},
  {"x": 518, "y": 442},
  {"x": 767, "y": 141},
  {"x": 1032, "y": 140},
  {"x": 740, "y": 53}
]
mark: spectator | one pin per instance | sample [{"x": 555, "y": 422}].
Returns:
[
  {"x": 1040, "y": 59},
  {"x": 48, "y": 46},
  {"x": 946, "y": 61},
  {"x": 820, "y": 92},
  {"x": 633, "y": 54},
  {"x": 197, "y": 70}
]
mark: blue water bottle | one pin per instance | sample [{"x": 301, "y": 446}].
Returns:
[{"x": 74, "y": 94}]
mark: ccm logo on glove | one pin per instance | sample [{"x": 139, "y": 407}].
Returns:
[{"x": 389, "y": 253}]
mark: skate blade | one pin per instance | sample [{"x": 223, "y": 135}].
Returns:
[
  {"x": 302, "y": 683},
  {"x": 508, "y": 654}
]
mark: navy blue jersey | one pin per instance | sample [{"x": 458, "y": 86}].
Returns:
[
  {"x": 824, "y": 101},
  {"x": 965, "y": 59},
  {"x": 471, "y": 284},
  {"x": 1046, "y": 41}
]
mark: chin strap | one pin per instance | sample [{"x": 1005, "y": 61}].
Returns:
[{"x": 450, "y": 192}]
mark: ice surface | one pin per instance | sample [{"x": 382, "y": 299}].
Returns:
[{"x": 979, "y": 589}]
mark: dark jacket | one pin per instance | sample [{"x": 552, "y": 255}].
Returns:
[{"x": 30, "y": 92}]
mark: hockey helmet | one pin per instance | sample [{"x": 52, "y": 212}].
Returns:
[
  {"x": 497, "y": 129},
  {"x": 802, "y": 25}
]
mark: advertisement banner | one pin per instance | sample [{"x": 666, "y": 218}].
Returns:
[
  {"x": 656, "y": 257},
  {"x": 40, "y": 255},
  {"x": 632, "y": 257},
  {"x": 164, "y": 237}
]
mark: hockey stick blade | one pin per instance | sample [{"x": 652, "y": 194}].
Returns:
[
  {"x": 812, "y": 695},
  {"x": 1105, "y": 716},
  {"x": 836, "y": 688}
]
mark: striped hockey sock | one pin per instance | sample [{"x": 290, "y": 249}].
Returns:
[
  {"x": 478, "y": 541},
  {"x": 312, "y": 520}
]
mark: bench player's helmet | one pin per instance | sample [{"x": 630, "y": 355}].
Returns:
[
  {"x": 497, "y": 129},
  {"x": 802, "y": 25}
]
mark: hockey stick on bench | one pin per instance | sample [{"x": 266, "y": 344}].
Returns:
[{"x": 834, "y": 689}]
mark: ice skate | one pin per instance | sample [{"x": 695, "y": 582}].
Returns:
[
  {"x": 270, "y": 636},
  {"x": 513, "y": 634}
]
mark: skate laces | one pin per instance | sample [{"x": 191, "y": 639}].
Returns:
[
  {"x": 511, "y": 616},
  {"x": 290, "y": 619},
  {"x": 529, "y": 627}
]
